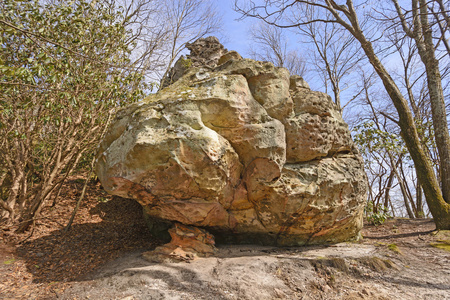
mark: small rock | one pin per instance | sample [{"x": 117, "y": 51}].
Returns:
[
  {"x": 187, "y": 244},
  {"x": 297, "y": 81},
  {"x": 229, "y": 56}
]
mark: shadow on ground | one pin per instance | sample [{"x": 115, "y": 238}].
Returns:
[
  {"x": 403, "y": 229},
  {"x": 67, "y": 256}
]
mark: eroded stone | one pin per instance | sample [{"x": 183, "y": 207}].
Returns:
[
  {"x": 188, "y": 243},
  {"x": 241, "y": 149}
]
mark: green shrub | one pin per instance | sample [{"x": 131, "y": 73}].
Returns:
[{"x": 376, "y": 216}]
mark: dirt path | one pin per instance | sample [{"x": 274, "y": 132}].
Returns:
[
  {"x": 372, "y": 269},
  {"x": 101, "y": 259}
]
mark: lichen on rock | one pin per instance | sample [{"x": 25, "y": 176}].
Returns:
[{"x": 239, "y": 148}]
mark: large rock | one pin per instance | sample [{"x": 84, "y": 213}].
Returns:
[{"x": 239, "y": 148}]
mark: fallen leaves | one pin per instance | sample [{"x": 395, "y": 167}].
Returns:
[{"x": 45, "y": 264}]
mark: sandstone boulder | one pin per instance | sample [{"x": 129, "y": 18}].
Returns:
[{"x": 241, "y": 149}]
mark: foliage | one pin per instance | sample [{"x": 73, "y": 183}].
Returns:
[
  {"x": 371, "y": 139},
  {"x": 376, "y": 216},
  {"x": 64, "y": 69}
]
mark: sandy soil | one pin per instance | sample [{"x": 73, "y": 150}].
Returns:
[{"x": 101, "y": 259}]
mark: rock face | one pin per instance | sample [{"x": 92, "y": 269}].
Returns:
[
  {"x": 204, "y": 52},
  {"x": 242, "y": 149}
]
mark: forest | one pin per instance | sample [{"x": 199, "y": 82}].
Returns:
[{"x": 67, "y": 67}]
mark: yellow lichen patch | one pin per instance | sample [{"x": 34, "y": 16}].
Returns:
[
  {"x": 394, "y": 248},
  {"x": 443, "y": 246},
  {"x": 442, "y": 235}
]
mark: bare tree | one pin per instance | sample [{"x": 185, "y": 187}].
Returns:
[
  {"x": 271, "y": 44},
  {"x": 413, "y": 82},
  {"x": 160, "y": 30},
  {"x": 335, "y": 57},
  {"x": 440, "y": 12},
  {"x": 346, "y": 15},
  {"x": 148, "y": 38},
  {"x": 390, "y": 148},
  {"x": 419, "y": 29},
  {"x": 186, "y": 21}
]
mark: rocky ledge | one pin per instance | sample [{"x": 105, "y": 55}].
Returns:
[{"x": 240, "y": 149}]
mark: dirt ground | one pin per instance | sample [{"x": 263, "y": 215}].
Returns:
[{"x": 100, "y": 258}]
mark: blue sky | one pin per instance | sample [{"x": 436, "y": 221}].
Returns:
[
  {"x": 235, "y": 32},
  {"x": 236, "y": 36}
]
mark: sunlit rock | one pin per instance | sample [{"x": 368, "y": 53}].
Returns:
[{"x": 241, "y": 149}]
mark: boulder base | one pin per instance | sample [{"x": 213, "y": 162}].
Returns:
[{"x": 187, "y": 244}]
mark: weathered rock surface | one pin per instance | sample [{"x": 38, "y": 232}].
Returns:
[
  {"x": 240, "y": 148},
  {"x": 187, "y": 244},
  {"x": 204, "y": 52},
  {"x": 364, "y": 270}
]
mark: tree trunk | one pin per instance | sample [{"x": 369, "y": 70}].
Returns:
[
  {"x": 388, "y": 189},
  {"x": 410, "y": 196},
  {"x": 10, "y": 203},
  {"x": 427, "y": 55},
  {"x": 32, "y": 212},
  {"x": 402, "y": 184},
  {"x": 438, "y": 207},
  {"x": 419, "y": 203},
  {"x": 45, "y": 188}
]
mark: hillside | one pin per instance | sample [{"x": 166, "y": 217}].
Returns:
[{"x": 100, "y": 257}]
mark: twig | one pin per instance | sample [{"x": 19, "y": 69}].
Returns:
[
  {"x": 69, "y": 225},
  {"x": 389, "y": 117},
  {"x": 30, "y": 235}
]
